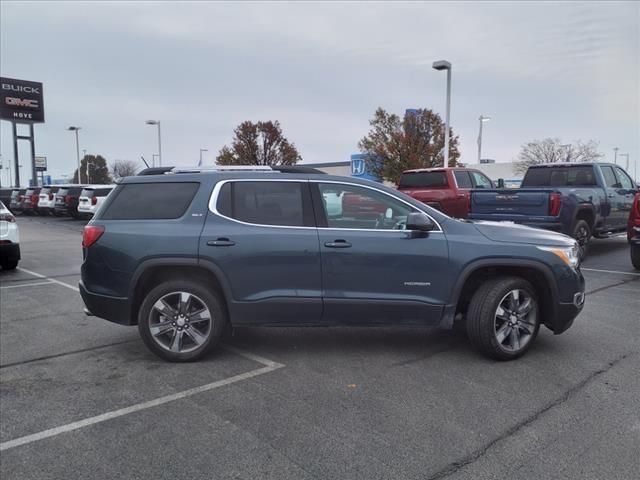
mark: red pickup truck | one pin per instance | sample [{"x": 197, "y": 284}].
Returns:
[{"x": 446, "y": 189}]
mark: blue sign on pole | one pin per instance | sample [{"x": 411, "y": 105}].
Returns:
[{"x": 359, "y": 167}]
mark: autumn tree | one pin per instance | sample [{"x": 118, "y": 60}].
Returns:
[
  {"x": 259, "y": 143},
  {"x": 124, "y": 168},
  {"x": 552, "y": 150},
  {"x": 395, "y": 144},
  {"x": 93, "y": 170}
]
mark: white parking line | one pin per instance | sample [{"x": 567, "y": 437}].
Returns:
[
  {"x": 53, "y": 280},
  {"x": 33, "y": 284},
  {"x": 270, "y": 366},
  {"x": 610, "y": 271}
]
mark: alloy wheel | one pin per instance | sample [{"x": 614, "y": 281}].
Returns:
[
  {"x": 180, "y": 322},
  {"x": 515, "y": 320}
]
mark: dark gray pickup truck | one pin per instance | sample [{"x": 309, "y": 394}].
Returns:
[{"x": 582, "y": 200}]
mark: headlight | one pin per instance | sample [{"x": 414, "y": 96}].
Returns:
[{"x": 569, "y": 255}]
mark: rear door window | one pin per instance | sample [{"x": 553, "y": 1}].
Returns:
[
  {"x": 150, "y": 201},
  {"x": 424, "y": 180},
  {"x": 266, "y": 203},
  {"x": 463, "y": 179},
  {"x": 610, "y": 177}
]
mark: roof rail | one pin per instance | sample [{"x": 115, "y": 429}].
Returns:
[{"x": 223, "y": 168}]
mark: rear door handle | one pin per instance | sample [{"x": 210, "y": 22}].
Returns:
[
  {"x": 338, "y": 244},
  {"x": 221, "y": 242}
]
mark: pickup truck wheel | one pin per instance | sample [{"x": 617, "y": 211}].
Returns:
[
  {"x": 582, "y": 234},
  {"x": 635, "y": 256},
  {"x": 503, "y": 318},
  {"x": 181, "y": 321}
]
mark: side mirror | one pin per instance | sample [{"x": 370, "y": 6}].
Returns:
[
  {"x": 420, "y": 222},
  {"x": 501, "y": 183}
]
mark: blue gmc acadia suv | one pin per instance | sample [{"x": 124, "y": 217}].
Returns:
[{"x": 187, "y": 254}]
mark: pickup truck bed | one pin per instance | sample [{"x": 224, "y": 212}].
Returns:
[{"x": 582, "y": 200}]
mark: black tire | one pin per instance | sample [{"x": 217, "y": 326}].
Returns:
[
  {"x": 635, "y": 255},
  {"x": 9, "y": 264},
  {"x": 582, "y": 233},
  {"x": 482, "y": 319},
  {"x": 203, "y": 294}
]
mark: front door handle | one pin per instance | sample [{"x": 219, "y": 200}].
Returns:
[
  {"x": 338, "y": 244},
  {"x": 221, "y": 242}
]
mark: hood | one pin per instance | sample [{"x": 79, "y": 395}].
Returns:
[{"x": 514, "y": 233}]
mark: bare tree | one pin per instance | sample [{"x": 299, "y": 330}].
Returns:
[
  {"x": 123, "y": 168},
  {"x": 552, "y": 150}
]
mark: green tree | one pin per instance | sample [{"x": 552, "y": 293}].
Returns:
[
  {"x": 396, "y": 144},
  {"x": 97, "y": 173},
  {"x": 259, "y": 143}
]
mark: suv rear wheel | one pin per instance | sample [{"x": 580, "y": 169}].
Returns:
[
  {"x": 503, "y": 318},
  {"x": 181, "y": 320}
]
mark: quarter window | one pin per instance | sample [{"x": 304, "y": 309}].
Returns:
[
  {"x": 349, "y": 206},
  {"x": 150, "y": 201},
  {"x": 266, "y": 203}
]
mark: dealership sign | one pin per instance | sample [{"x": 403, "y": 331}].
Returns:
[
  {"x": 21, "y": 101},
  {"x": 41, "y": 164}
]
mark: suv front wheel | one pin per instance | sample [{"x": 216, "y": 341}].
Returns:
[
  {"x": 503, "y": 318},
  {"x": 181, "y": 320}
]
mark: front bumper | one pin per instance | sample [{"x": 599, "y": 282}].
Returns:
[
  {"x": 113, "y": 309},
  {"x": 572, "y": 298}
]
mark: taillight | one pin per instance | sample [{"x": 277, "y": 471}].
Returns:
[
  {"x": 91, "y": 234},
  {"x": 19, "y": 198},
  {"x": 555, "y": 200},
  {"x": 7, "y": 217},
  {"x": 34, "y": 199},
  {"x": 94, "y": 200},
  {"x": 51, "y": 196},
  {"x": 67, "y": 199}
]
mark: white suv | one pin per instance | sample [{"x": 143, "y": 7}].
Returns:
[
  {"x": 91, "y": 198},
  {"x": 47, "y": 199},
  {"x": 9, "y": 239}
]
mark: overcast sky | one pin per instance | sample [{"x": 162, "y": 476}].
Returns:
[{"x": 540, "y": 69}]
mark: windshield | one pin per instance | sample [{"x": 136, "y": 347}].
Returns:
[{"x": 423, "y": 179}]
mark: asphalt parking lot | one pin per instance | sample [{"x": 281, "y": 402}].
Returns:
[{"x": 83, "y": 398}]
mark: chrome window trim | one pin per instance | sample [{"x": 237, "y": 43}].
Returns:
[{"x": 213, "y": 200}]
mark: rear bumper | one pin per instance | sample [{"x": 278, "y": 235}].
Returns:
[
  {"x": 113, "y": 309},
  {"x": 10, "y": 251}
]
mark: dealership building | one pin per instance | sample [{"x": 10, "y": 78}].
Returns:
[{"x": 356, "y": 167}]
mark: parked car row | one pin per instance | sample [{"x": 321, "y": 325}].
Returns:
[{"x": 77, "y": 201}]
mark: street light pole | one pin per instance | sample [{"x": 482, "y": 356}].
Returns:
[
  {"x": 627, "y": 162},
  {"x": 615, "y": 155},
  {"x": 76, "y": 129},
  {"x": 567, "y": 147},
  {"x": 201, "y": 150},
  {"x": 157, "y": 123},
  {"x": 482, "y": 119},
  {"x": 444, "y": 65}
]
